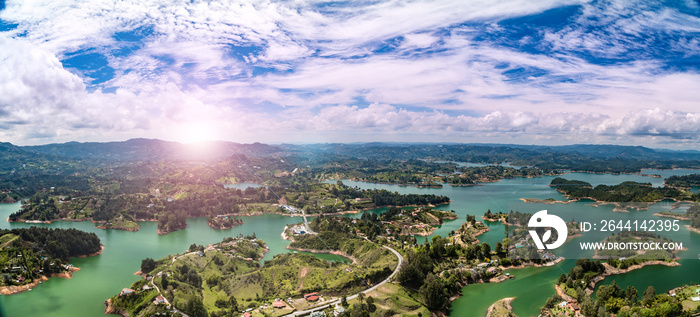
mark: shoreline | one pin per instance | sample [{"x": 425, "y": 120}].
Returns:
[
  {"x": 16, "y": 289},
  {"x": 696, "y": 230},
  {"x": 102, "y": 248},
  {"x": 666, "y": 215},
  {"x": 609, "y": 270},
  {"x": 505, "y": 302},
  {"x": 619, "y": 207}
]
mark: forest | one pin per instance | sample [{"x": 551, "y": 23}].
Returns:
[
  {"x": 683, "y": 181},
  {"x": 623, "y": 192},
  {"x": 29, "y": 253}
]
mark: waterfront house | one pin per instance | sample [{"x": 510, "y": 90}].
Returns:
[{"x": 126, "y": 291}]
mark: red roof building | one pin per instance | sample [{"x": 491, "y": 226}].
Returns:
[
  {"x": 312, "y": 297},
  {"x": 278, "y": 304}
]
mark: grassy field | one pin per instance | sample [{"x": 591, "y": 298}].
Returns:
[
  {"x": 5, "y": 240},
  {"x": 397, "y": 299}
]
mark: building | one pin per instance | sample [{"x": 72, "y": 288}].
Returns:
[
  {"x": 278, "y": 304},
  {"x": 317, "y": 314},
  {"x": 312, "y": 297},
  {"x": 126, "y": 291},
  {"x": 338, "y": 310},
  {"x": 159, "y": 300}
]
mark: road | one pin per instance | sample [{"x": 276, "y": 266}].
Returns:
[
  {"x": 167, "y": 301},
  {"x": 371, "y": 289}
]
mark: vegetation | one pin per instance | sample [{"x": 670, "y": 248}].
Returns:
[
  {"x": 226, "y": 279},
  {"x": 611, "y": 299},
  {"x": 623, "y": 192},
  {"x": 693, "y": 214},
  {"x": 27, "y": 254},
  {"x": 635, "y": 237},
  {"x": 684, "y": 181}
]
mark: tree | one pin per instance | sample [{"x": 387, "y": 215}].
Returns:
[
  {"x": 147, "y": 265},
  {"x": 361, "y": 297},
  {"x": 434, "y": 293},
  {"x": 649, "y": 296},
  {"x": 195, "y": 307},
  {"x": 485, "y": 249},
  {"x": 499, "y": 247},
  {"x": 370, "y": 304},
  {"x": 606, "y": 292},
  {"x": 562, "y": 279}
]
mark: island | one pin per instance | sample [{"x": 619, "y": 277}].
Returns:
[
  {"x": 626, "y": 195},
  {"x": 30, "y": 256},
  {"x": 575, "y": 295}
]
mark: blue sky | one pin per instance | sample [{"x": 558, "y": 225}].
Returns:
[{"x": 533, "y": 72}]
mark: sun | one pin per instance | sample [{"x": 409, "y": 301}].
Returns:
[{"x": 194, "y": 132}]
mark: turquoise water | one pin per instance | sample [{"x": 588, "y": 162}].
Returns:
[
  {"x": 532, "y": 286},
  {"x": 105, "y": 275}
]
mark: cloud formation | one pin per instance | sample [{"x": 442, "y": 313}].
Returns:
[{"x": 511, "y": 71}]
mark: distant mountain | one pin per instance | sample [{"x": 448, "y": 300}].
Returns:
[
  {"x": 18, "y": 162},
  {"x": 581, "y": 157},
  {"x": 153, "y": 149},
  {"x": 487, "y": 153}
]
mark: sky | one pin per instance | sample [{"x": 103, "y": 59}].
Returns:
[{"x": 312, "y": 71}]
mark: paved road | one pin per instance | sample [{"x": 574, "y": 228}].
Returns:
[{"x": 371, "y": 289}]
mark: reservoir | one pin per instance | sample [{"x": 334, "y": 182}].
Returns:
[{"x": 105, "y": 275}]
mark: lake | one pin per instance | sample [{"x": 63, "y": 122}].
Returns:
[{"x": 105, "y": 275}]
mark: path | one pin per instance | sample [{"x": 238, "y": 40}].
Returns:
[
  {"x": 167, "y": 301},
  {"x": 371, "y": 289}
]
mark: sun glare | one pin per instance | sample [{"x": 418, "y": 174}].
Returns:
[{"x": 196, "y": 132}]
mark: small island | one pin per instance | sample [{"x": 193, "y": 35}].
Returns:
[
  {"x": 625, "y": 196},
  {"x": 221, "y": 222}
]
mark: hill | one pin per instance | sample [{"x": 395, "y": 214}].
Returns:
[{"x": 153, "y": 150}]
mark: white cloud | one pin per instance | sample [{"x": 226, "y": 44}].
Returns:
[{"x": 324, "y": 61}]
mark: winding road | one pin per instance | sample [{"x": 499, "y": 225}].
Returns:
[{"x": 371, "y": 289}]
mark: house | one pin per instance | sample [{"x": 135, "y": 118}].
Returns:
[
  {"x": 338, "y": 310},
  {"x": 574, "y": 306},
  {"x": 278, "y": 304},
  {"x": 312, "y": 297},
  {"x": 317, "y": 314},
  {"x": 126, "y": 291},
  {"x": 159, "y": 300},
  {"x": 247, "y": 314}
]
